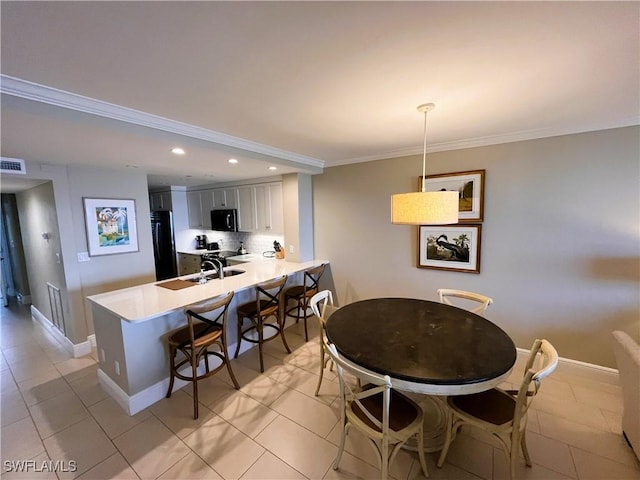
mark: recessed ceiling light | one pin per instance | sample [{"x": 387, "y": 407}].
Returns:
[
  {"x": 273, "y": 168},
  {"x": 233, "y": 160},
  {"x": 177, "y": 151}
]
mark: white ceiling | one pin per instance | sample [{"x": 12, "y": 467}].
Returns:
[{"x": 299, "y": 85}]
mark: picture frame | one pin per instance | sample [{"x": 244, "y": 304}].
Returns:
[
  {"x": 469, "y": 185},
  {"x": 451, "y": 247},
  {"x": 110, "y": 225}
]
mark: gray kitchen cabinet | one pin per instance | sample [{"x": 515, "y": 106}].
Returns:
[{"x": 188, "y": 263}]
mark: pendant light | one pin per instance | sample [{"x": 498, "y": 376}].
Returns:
[{"x": 424, "y": 208}]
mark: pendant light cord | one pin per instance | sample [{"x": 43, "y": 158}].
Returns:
[{"x": 424, "y": 155}]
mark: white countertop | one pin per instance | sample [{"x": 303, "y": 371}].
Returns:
[{"x": 144, "y": 302}]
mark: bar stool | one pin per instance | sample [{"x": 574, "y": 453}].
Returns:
[
  {"x": 268, "y": 304},
  {"x": 194, "y": 340},
  {"x": 302, "y": 294}
]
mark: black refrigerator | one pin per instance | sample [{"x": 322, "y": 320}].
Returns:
[{"x": 164, "y": 248}]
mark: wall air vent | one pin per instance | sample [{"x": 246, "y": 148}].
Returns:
[{"x": 12, "y": 165}]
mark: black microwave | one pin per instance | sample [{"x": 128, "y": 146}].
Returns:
[{"x": 224, "y": 220}]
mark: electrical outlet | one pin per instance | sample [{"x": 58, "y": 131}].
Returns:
[
  {"x": 117, "y": 367},
  {"x": 292, "y": 249},
  {"x": 83, "y": 256}
]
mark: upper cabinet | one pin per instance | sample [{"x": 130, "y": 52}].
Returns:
[
  {"x": 200, "y": 204},
  {"x": 195, "y": 209},
  {"x": 260, "y": 207},
  {"x": 247, "y": 209},
  {"x": 225, "y": 198},
  {"x": 160, "y": 201},
  {"x": 275, "y": 218}
]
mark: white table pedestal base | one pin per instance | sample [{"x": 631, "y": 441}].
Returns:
[{"x": 435, "y": 422}]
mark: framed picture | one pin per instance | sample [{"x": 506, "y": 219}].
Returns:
[
  {"x": 111, "y": 226},
  {"x": 452, "y": 247},
  {"x": 470, "y": 188}
]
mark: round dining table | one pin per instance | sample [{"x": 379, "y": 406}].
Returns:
[{"x": 426, "y": 348}]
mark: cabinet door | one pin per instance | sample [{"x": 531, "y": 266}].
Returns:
[
  {"x": 165, "y": 201},
  {"x": 225, "y": 198},
  {"x": 160, "y": 201},
  {"x": 246, "y": 209},
  {"x": 188, "y": 263},
  {"x": 207, "y": 204},
  {"x": 219, "y": 198},
  {"x": 275, "y": 211},
  {"x": 261, "y": 194},
  {"x": 155, "y": 201},
  {"x": 195, "y": 210}
]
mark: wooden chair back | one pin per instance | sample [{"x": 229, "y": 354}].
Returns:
[{"x": 447, "y": 294}]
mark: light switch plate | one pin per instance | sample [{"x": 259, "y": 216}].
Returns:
[{"x": 83, "y": 256}]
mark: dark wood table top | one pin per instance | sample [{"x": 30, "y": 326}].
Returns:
[{"x": 425, "y": 346}]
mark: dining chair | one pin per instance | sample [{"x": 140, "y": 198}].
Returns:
[
  {"x": 503, "y": 413},
  {"x": 206, "y": 327},
  {"x": 301, "y": 295},
  {"x": 447, "y": 294},
  {"x": 268, "y": 304},
  {"x": 385, "y": 416},
  {"x": 322, "y": 307}
]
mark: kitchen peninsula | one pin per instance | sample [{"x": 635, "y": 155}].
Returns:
[{"x": 131, "y": 326}]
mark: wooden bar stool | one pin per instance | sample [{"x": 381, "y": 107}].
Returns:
[
  {"x": 194, "y": 340},
  {"x": 302, "y": 294},
  {"x": 268, "y": 304}
]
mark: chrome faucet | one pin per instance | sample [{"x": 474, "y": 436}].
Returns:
[{"x": 216, "y": 264}]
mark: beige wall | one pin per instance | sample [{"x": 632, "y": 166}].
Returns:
[
  {"x": 43, "y": 257},
  {"x": 64, "y": 204},
  {"x": 560, "y": 242}
]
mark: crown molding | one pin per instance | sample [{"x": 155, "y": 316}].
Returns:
[
  {"x": 488, "y": 140},
  {"x": 18, "y": 87}
]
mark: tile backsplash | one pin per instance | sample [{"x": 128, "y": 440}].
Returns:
[{"x": 253, "y": 243}]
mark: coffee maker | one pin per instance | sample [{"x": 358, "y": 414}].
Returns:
[{"x": 201, "y": 242}]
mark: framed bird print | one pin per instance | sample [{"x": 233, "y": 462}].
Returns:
[
  {"x": 470, "y": 188},
  {"x": 452, "y": 247}
]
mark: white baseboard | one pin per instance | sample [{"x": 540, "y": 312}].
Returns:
[
  {"x": 77, "y": 350},
  {"x": 137, "y": 402},
  {"x": 150, "y": 395},
  {"x": 583, "y": 369}
]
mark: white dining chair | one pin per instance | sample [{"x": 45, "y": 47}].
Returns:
[
  {"x": 322, "y": 307},
  {"x": 503, "y": 413},
  {"x": 463, "y": 299},
  {"x": 385, "y": 416}
]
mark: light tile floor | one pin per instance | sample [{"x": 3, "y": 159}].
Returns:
[{"x": 53, "y": 409}]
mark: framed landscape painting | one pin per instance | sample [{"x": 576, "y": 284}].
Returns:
[
  {"x": 453, "y": 247},
  {"x": 470, "y": 188},
  {"x": 111, "y": 226}
]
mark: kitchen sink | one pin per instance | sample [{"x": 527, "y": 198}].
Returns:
[{"x": 214, "y": 275}]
